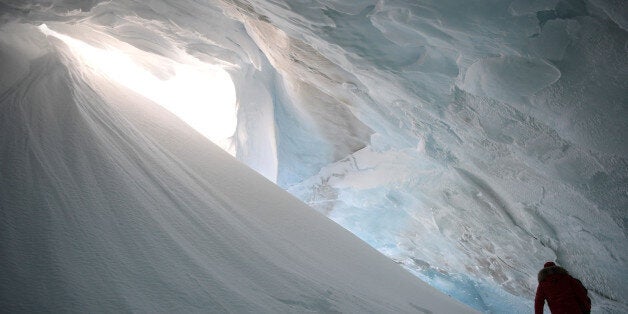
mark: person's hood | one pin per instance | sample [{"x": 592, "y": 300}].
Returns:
[{"x": 552, "y": 270}]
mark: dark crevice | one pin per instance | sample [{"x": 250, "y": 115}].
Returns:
[{"x": 566, "y": 9}]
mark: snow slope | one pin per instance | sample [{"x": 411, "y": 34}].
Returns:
[{"x": 109, "y": 203}]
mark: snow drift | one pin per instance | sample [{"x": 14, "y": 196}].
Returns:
[{"x": 111, "y": 203}]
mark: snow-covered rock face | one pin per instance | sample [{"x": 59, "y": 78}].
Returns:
[{"x": 470, "y": 141}]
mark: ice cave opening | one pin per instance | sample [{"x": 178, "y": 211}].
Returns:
[{"x": 201, "y": 94}]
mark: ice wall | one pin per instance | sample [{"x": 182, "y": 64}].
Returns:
[
  {"x": 110, "y": 203},
  {"x": 499, "y": 136},
  {"x": 470, "y": 141}
]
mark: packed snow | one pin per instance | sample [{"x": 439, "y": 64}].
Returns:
[
  {"x": 468, "y": 141},
  {"x": 112, "y": 204}
]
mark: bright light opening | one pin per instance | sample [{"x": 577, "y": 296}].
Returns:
[{"x": 201, "y": 94}]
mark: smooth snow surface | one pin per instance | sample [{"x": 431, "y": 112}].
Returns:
[
  {"x": 470, "y": 141},
  {"x": 112, "y": 204}
]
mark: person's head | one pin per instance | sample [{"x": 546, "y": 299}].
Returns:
[{"x": 550, "y": 268}]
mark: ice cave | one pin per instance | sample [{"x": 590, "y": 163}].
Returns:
[{"x": 311, "y": 156}]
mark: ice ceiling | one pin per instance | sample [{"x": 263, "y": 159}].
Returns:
[{"x": 470, "y": 141}]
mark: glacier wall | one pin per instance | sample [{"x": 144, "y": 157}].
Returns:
[
  {"x": 470, "y": 141},
  {"x": 111, "y": 203}
]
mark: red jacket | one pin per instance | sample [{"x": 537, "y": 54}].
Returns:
[{"x": 564, "y": 294}]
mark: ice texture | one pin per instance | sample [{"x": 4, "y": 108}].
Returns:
[
  {"x": 469, "y": 141},
  {"x": 110, "y": 203}
]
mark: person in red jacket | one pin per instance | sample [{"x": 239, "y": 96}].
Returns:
[{"x": 564, "y": 294}]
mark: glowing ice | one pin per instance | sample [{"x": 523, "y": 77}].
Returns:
[{"x": 202, "y": 95}]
